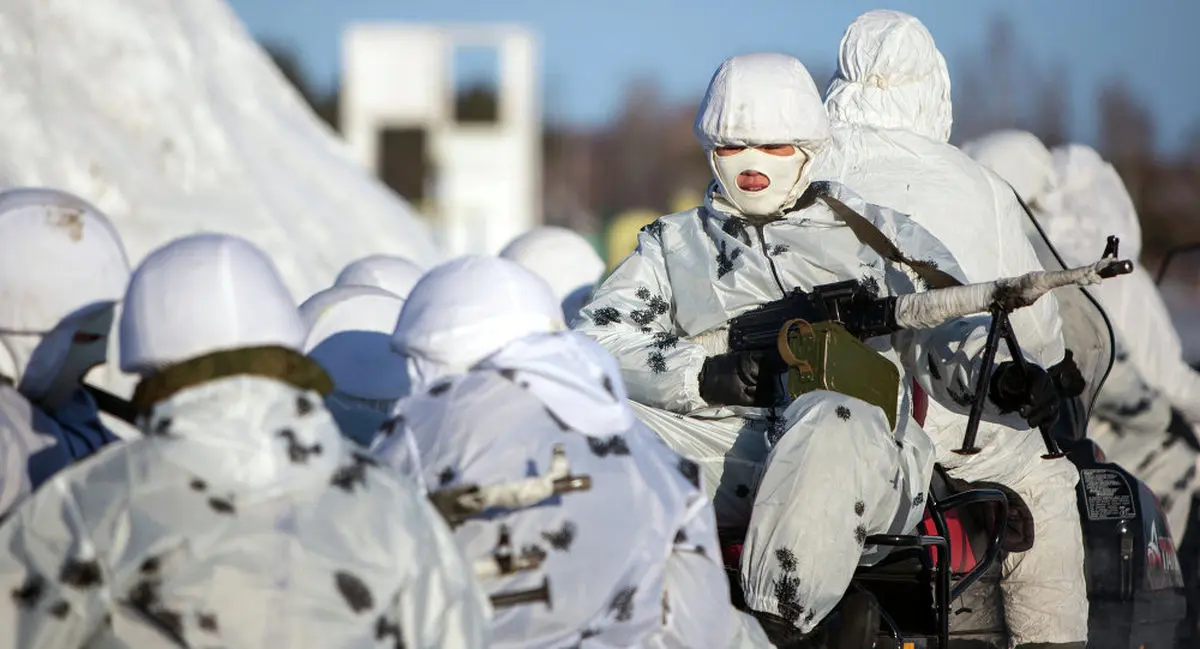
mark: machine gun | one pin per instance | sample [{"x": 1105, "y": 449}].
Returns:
[
  {"x": 819, "y": 334},
  {"x": 863, "y": 315}
]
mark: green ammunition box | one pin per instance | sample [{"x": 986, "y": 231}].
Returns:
[{"x": 824, "y": 356}]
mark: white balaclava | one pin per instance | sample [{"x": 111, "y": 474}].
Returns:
[
  {"x": 891, "y": 76},
  {"x": 202, "y": 294},
  {"x": 467, "y": 309},
  {"x": 62, "y": 271},
  {"x": 350, "y": 336},
  {"x": 756, "y": 100},
  {"x": 396, "y": 275},
  {"x": 1019, "y": 158},
  {"x": 565, "y": 260}
]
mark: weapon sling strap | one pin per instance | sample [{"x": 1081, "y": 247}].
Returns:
[{"x": 868, "y": 234}]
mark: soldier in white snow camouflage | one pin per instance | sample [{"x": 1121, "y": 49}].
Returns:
[{"x": 813, "y": 478}]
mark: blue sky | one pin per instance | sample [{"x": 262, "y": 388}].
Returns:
[{"x": 592, "y": 49}]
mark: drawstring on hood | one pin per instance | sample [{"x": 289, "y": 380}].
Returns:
[
  {"x": 756, "y": 100},
  {"x": 891, "y": 75}
]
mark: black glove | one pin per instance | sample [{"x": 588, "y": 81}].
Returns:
[
  {"x": 740, "y": 379},
  {"x": 1067, "y": 377},
  {"x": 1032, "y": 393}
]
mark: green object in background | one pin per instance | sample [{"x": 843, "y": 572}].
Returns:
[
  {"x": 620, "y": 237},
  {"x": 597, "y": 241}
]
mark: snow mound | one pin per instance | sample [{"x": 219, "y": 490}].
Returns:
[{"x": 169, "y": 117}]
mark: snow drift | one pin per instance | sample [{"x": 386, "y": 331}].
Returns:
[{"x": 169, "y": 117}]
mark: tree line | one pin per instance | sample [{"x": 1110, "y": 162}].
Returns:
[{"x": 646, "y": 155}]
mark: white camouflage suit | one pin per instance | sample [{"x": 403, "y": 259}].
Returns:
[
  {"x": 62, "y": 271},
  {"x": 814, "y": 480},
  {"x": 891, "y": 118},
  {"x": 242, "y": 518},
  {"x": 1079, "y": 199},
  {"x": 632, "y": 561}
]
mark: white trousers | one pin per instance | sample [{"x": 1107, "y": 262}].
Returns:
[{"x": 837, "y": 474}]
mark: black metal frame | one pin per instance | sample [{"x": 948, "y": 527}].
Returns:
[
  {"x": 1000, "y": 328},
  {"x": 944, "y": 593}
]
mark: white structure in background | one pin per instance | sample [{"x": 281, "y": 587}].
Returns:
[{"x": 484, "y": 182}]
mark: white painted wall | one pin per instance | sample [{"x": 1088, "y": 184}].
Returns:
[{"x": 487, "y": 177}]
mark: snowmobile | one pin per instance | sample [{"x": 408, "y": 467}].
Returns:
[{"x": 939, "y": 585}]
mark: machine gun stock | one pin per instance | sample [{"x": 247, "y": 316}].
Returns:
[{"x": 857, "y": 310}]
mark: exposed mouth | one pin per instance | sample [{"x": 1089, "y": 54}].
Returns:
[{"x": 752, "y": 181}]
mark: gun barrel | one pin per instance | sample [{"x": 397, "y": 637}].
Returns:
[
  {"x": 458, "y": 504},
  {"x": 516, "y": 598},
  {"x": 932, "y": 308},
  {"x": 1117, "y": 268}
]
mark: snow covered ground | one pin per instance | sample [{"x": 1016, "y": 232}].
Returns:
[{"x": 168, "y": 116}]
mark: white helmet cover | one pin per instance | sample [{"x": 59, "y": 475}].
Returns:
[
  {"x": 755, "y": 100},
  {"x": 467, "y": 309},
  {"x": 61, "y": 264},
  {"x": 201, "y": 294}
]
